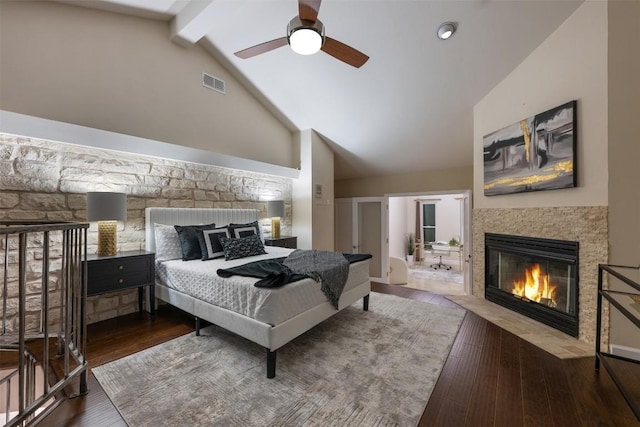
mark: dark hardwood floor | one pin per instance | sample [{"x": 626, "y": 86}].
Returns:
[{"x": 491, "y": 378}]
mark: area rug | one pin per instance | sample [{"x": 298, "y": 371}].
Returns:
[
  {"x": 428, "y": 273},
  {"x": 358, "y": 368}
]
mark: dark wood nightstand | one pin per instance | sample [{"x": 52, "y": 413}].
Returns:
[
  {"x": 290, "y": 242},
  {"x": 125, "y": 270}
]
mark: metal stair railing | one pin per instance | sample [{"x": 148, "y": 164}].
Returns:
[
  {"x": 30, "y": 376},
  {"x": 44, "y": 296}
]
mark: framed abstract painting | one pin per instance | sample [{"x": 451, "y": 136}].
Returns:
[{"x": 534, "y": 154}]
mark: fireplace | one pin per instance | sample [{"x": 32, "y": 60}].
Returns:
[{"x": 534, "y": 277}]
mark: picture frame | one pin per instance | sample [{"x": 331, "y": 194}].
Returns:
[{"x": 534, "y": 154}]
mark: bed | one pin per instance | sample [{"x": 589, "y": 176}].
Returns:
[{"x": 268, "y": 317}]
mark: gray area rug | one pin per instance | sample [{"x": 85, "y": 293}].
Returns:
[
  {"x": 428, "y": 273},
  {"x": 358, "y": 368}
]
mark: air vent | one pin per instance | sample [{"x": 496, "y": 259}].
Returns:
[{"x": 213, "y": 83}]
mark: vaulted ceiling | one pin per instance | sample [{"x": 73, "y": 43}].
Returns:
[{"x": 409, "y": 108}]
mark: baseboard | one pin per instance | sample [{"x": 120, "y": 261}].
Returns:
[{"x": 628, "y": 352}]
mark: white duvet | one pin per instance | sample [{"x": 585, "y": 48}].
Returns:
[{"x": 200, "y": 280}]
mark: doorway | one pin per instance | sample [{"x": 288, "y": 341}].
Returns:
[
  {"x": 440, "y": 225},
  {"x": 380, "y": 226}
]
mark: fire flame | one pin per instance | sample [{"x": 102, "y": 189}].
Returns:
[{"x": 536, "y": 287}]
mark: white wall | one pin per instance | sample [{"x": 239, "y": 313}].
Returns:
[
  {"x": 448, "y": 221},
  {"x": 446, "y": 180},
  {"x": 624, "y": 139},
  {"x": 313, "y": 218},
  {"x": 302, "y": 194},
  {"x": 570, "y": 64},
  {"x": 323, "y": 215},
  {"x": 123, "y": 74},
  {"x": 624, "y": 150},
  {"x": 397, "y": 227},
  {"x": 410, "y": 216},
  {"x": 402, "y": 214}
]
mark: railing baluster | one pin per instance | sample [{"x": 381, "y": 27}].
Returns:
[
  {"x": 63, "y": 280},
  {"x": 5, "y": 289},
  {"x": 45, "y": 309},
  {"x": 68, "y": 305},
  {"x": 83, "y": 314},
  {"x": 22, "y": 302},
  {"x": 8, "y": 401}
]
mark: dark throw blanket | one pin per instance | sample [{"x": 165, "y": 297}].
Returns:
[
  {"x": 275, "y": 272},
  {"x": 330, "y": 269},
  {"x": 272, "y": 273}
]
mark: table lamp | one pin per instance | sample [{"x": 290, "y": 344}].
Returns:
[
  {"x": 275, "y": 210},
  {"x": 107, "y": 208}
]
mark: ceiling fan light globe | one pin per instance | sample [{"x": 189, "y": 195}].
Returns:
[{"x": 305, "y": 41}]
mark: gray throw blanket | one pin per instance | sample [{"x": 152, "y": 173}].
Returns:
[{"x": 329, "y": 268}]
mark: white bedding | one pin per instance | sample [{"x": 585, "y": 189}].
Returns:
[{"x": 200, "y": 280}]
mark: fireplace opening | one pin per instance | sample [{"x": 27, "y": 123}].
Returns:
[{"x": 534, "y": 277}]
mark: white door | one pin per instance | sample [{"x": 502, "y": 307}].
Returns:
[{"x": 369, "y": 233}]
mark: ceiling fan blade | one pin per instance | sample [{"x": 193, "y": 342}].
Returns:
[
  {"x": 308, "y": 10},
  {"x": 261, "y": 48},
  {"x": 344, "y": 52}
]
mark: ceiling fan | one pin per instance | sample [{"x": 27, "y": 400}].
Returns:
[{"x": 305, "y": 35}]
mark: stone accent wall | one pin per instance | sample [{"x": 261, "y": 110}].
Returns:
[
  {"x": 586, "y": 225},
  {"x": 46, "y": 180}
]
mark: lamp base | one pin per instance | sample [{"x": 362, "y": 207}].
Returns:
[
  {"x": 107, "y": 237},
  {"x": 275, "y": 227}
]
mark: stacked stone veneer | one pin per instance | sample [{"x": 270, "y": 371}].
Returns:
[
  {"x": 45, "y": 180},
  {"x": 586, "y": 225}
]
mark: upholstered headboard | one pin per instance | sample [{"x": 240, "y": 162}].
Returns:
[{"x": 189, "y": 216}]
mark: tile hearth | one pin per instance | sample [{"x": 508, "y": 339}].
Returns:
[{"x": 547, "y": 338}]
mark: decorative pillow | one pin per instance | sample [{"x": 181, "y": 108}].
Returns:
[
  {"x": 244, "y": 230},
  {"x": 167, "y": 243},
  {"x": 242, "y": 247},
  {"x": 188, "y": 235},
  {"x": 210, "y": 245}
]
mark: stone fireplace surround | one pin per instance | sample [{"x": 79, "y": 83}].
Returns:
[{"x": 584, "y": 224}]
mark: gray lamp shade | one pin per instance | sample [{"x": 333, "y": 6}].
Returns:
[
  {"x": 106, "y": 206},
  {"x": 275, "y": 208}
]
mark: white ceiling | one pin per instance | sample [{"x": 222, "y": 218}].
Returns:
[{"x": 410, "y": 107}]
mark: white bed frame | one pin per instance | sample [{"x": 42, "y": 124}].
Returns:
[{"x": 268, "y": 336}]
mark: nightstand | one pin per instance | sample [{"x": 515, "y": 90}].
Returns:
[
  {"x": 290, "y": 242},
  {"x": 125, "y": 270}
]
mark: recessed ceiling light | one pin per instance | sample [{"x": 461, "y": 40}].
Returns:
[{"x": 446, "y": 30}]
